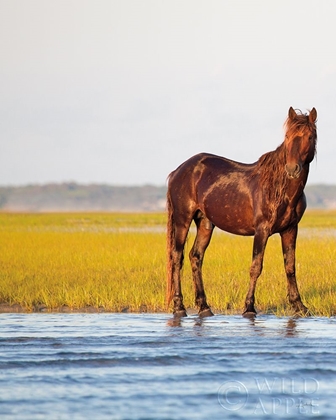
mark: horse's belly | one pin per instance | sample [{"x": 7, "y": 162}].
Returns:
[
  {"x": 233, "y": 224},
  {"x": 232, "y": 215}
]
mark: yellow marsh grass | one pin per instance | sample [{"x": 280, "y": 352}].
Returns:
[{"x": 118, "y": 262}]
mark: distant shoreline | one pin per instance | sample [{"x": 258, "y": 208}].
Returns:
[{"x": 73, "y": 197}]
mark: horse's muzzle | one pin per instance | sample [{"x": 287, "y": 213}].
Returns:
[{"x": 293, "y": 171}]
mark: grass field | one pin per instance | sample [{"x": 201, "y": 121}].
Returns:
[{"x": 117, "y": 262}]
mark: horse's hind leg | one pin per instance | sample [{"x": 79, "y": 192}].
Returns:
[
  {"x": 196, "y": 255},
  {"x": 177, "y": 257}
]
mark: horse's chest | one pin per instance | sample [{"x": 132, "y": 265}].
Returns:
[{"x": 284, "y": 218}]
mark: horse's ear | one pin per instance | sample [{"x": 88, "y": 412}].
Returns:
[
  {"x": 291, "y": 113},
  {"x": 313, "y": 115}
]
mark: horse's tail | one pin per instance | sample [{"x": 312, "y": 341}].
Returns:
[{"x": 170, "y": 246}]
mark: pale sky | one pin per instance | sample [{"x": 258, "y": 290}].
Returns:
[{"x": 121, "y": 92}]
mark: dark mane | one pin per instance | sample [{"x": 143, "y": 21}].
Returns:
[
  {"x": 270, "y": 166},
  {"x": 272, "y": 177}
]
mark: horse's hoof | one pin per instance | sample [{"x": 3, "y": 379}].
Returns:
[
  {"x": 300, "y": 310},
  {"x": 249, "y": 314},
  {"x": 302, "y": 313},
  {"x": 205, "y": 313},
  {"x": 180, "y": 314}
]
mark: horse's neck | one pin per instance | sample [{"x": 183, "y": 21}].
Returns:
[{"x": 295, "y": 187}]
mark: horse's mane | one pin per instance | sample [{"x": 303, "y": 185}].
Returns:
[
  {"x": 270, "y": 167},
  {"x": 272, "y": 178},
  {"x": 270, "y": 170}
]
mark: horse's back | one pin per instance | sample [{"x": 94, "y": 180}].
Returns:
[{"x": 217, "y": 166}]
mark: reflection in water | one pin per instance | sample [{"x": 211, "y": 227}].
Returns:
[
  {"x": 262, "y": 328},
  {"x": 175, "y": 321},
  {"x": 258, "y": 325},
  {"x": 291, "y": 330}
]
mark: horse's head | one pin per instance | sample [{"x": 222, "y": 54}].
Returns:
[{"x": 300, "y": 141}]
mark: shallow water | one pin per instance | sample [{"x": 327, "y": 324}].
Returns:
[{"x": 132, "y": 366}]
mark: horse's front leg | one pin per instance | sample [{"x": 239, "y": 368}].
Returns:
[
  {"x": 288, "y": 241},
  {"x": 259, "y": 244}
]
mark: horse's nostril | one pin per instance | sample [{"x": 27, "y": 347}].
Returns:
[{"x": 293, "y": 171}]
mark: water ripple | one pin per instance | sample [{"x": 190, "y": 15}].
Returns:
[{"x": 131, "y": 366}]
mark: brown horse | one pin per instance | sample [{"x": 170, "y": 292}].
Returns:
[{"x": 257, "y": 199}]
